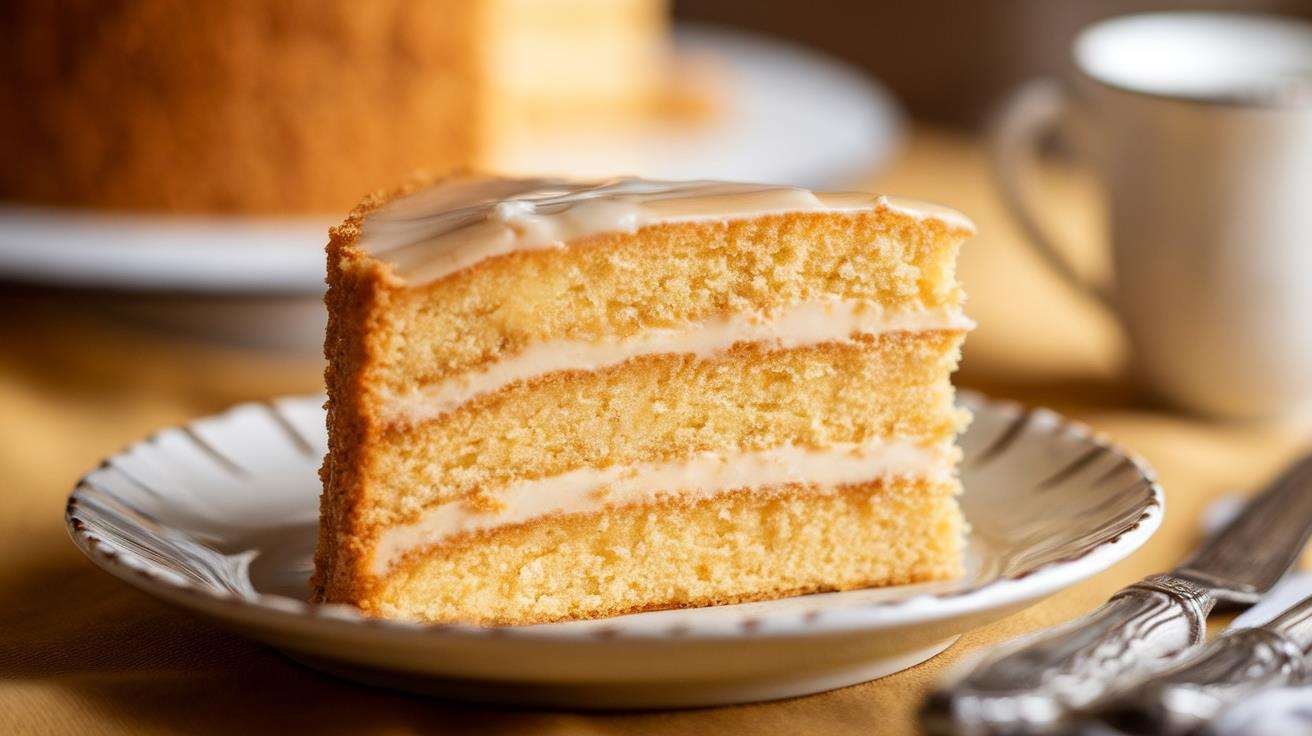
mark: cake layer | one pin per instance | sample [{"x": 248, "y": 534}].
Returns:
[
  {"x": 668, "y": 407},
  {"x": 706, "y": 474},
  {"x": 615, "y": 286},
  {"x": 684, "y": 552},
  {"x": 568, "y": 58},
  {"x": 809, "y": 323}
]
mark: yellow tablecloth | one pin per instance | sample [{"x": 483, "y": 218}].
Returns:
[{"x": 83, "y": 653}]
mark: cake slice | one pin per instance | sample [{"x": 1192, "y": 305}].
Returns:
[{"x": 552, "y": 400}]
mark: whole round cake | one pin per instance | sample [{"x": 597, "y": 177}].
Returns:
[{"x": 297, "y": 106}]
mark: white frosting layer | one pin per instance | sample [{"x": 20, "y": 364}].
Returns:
[
  {"x": 456, "y": 224},
  {"x": 808, "y": 323},
  {"x": 708, "y": 474}
]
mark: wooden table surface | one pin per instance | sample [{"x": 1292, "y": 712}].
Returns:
[{"x": 83, "y": 653}]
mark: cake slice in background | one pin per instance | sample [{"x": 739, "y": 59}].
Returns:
[
  {"x": 553, "y": 400},
  {"x": 302, "y": 106}
]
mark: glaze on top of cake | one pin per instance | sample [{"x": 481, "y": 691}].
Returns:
[{"x": 445, "y": 228}]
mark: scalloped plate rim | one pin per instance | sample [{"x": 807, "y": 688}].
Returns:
[{"x": 1002, "y": 592}]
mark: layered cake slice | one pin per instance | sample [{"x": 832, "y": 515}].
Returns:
[{"x": 551, "y": 400}]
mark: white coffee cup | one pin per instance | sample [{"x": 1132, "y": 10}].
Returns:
[{"x": 1200, "y": 128}]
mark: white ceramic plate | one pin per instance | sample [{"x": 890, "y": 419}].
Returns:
[
  {"x": 790, "y": 116},
  {"x": 219, "y": 517}
]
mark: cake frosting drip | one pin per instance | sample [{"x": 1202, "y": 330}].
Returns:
[
  {"x": 808, "y": 323},
  {"x": 702, "y": 476},
  {"x": 455, "y": 224}
]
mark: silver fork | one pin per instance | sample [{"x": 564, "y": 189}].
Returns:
[{"x": 1034, "y": 684}]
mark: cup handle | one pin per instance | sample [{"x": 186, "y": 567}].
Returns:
[{"x": 1032, "y": 112}]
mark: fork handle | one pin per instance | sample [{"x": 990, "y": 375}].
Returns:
[
  {"x": 1224, "y": 673},
  {"x": 1031, "y": 684}
]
